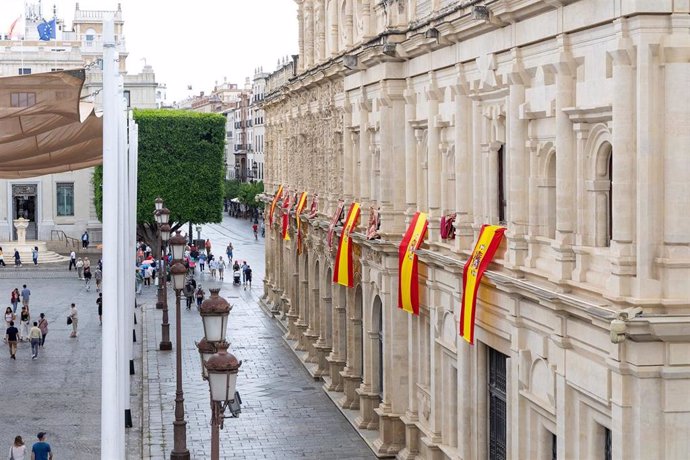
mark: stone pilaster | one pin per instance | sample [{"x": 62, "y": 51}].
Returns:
[{"x": 411, "y": 165}]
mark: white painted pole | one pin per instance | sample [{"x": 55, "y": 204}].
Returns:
[
  {"x": 123, "y": 234},
  {"x": 112, "y": 428}
]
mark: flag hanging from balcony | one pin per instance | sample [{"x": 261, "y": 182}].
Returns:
[
  {"x": 484, "y": 250},
  {"x": 334, "y": 221},
  {"x": 287, "y": 203},
  {"x": 301, "y": 203},
  {"x": 276, "y": 197},
  {"x": 408, "y": 279},
  {"x": 343, "y": 273}
]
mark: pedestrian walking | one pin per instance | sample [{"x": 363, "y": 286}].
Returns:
[
  {"x": 18, "y": 449},
  {"x": 244, "y": 273},
  {"x": 9, "y": 317},
  {"x": 14, "y": 299},
  {"x": 35, "y": 336},
  {"x": 2, "y": 258},
  {"x": 207, "y": 245},
  {"x": 72, "y": 260},
  {"x": 85, "y": 239},
  {"x": 43, "y": 326},
  {"x": 138, "y": 280},
  {"x": 99, "y": 302},
  {"x": 26, "y": 295},
  {"x": 148, "y": 274},
  {"x": 41, "y": 449},
  {"x": 202, "y": 262},
  {"x": 80, "y": 268},
  {"x": 263, "y": 229},
  {"x": 248, "y": 277},
  {"x": 221, "y": 267},
  {"x": 24, "y": 323},
  {"x": 11, "y": 337},
  {"x": 255, "y": 229},
  {"x": 87, "y": 277},
  {"x": 213, "y": 265},
  {"x": 17, "y": 258},
  {"x": 199, "y": 296},
  {"x": 98, "y": 276},
  {"x": 188, "y": 292},
  {"x": 228, "y": 252},
  {"x": 73, "y": 319},
  {"x": 87, "y": 262},
  {"x": 34, "y": 255}
]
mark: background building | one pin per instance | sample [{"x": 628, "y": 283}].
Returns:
[
  {"x": 562, "y": 121},
  {"x": 64, "y": 202}
]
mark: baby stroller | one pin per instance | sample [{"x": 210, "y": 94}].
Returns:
[{"x": 236, "y": 278}]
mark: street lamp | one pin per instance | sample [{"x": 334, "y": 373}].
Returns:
[
  {"x": 218, "y": 366},
  {"x": 214, "y": 313},
  {"x": 178, "y": 272}
]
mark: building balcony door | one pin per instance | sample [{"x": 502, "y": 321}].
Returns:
[{"x": 24, "y": 199}]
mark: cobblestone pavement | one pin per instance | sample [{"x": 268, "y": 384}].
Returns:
[
  {"x": 59, "y": 392},
  {"x": 285, "y": 413}
]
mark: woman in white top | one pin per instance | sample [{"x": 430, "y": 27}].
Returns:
[
  {"x": 221, "y": 267},
  {"x": 80, "y": 268},
  {"x": 75, "y": 320},
  {"x": 9, "y": 316},
  {"x": 18, "y": 449}
]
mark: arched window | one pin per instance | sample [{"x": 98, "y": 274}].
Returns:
[
  {"x": 603, "y": 187},
  {"x": 550, "y": 186}
]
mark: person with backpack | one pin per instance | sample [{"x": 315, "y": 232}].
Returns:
[
  {"x": 199, "y": 297},
  {"x": 248, "y": 277}
]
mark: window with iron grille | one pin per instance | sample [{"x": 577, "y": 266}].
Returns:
[
  {"x": 498, "y": 425},
  {"x": 607, "y": 444}
]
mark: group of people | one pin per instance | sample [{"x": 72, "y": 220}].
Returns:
[
  {"x": 18, "y": 257},
  {"x": 35, "y": 334},
  {"x": 40, "y": 450},
  {"x": 83, "y": 267}
]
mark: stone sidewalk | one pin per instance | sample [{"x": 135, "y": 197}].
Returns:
[{"x": 285, "y": 413}]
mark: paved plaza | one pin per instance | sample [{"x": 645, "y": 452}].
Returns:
[{"x": 285, "y": 413}]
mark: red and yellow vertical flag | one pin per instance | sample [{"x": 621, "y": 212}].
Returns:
[
  {"x": 287, "y": 203},
  {"x": 301, "y": 203},
  {"x": 343, "y": 272},
  {"x": 408, "y": 279},
  {"x": 276, "y": 197},
  {"x": 484, "y": 250}
]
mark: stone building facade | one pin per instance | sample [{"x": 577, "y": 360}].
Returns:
[{"x": 567, "y": 122}]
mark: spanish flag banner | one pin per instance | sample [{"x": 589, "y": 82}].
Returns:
[
  {"x": 489, "y": 239},
  {"x": 408, "y": 279},
  {"x": 287, "y": 203},
  {"x": 343, "y": 272},
  {"x": 301, "y": 203},
  {"x": 276, "y": 197}
]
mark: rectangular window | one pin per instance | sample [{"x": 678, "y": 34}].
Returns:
[
  {"x": 24, "y": 71},
  {"x": 502, "y": 202},
  {"x": 22, "y": 99},
  {"x": 65, "y": 199},
  {"x": 498, "y": 425},
  {"x": 554, "y": 447}
]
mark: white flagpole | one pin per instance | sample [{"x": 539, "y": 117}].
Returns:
[{"x": 112, "y": 426}]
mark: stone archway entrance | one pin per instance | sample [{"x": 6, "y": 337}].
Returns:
[{"x": 24, "y": 200}]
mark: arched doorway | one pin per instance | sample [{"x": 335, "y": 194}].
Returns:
[{"x": 377, "y": 326}]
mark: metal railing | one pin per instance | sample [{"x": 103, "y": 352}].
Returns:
[{"x": 62, "y": 236}]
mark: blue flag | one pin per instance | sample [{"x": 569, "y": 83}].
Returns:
[{"x": 46, "y": 30}]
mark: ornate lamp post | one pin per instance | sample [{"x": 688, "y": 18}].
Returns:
[
  {"x": 178, "y": 271},
  {"x": 162, "y": 217},
  {"x": 221, "y": 368}
]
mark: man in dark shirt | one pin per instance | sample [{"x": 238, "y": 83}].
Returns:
[
  {"x": 11, "y": 338},
  {"x": 41, "y": 449}
]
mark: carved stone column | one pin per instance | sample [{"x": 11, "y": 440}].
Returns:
[
  {"x": 519, "y": 161},
  {"x": 392, "y": 179},
  {"x": 434, "y": 95},
  {"x": 364, "y": 154},
  {"x": 411, "y": 165},
  {"x": 565, "y": 167},
  {"x": 348, "y": 141},
  {"x": 308, "y": 21},
  {"x": 463, "y": 163},
  {"x": 320, "y": 35},
  {"x": 300, "y": 30}
]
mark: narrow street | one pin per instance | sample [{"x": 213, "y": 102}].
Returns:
[{"x": 285, "y": 413}]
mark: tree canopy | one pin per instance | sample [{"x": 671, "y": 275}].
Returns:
[
  {"x": 181, "y": 159},
  {"x": 245, "y": 192}
]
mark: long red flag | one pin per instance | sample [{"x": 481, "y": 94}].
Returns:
[
  {"x": 343, "y": 272},
  {"x": 408, "y": 279}
]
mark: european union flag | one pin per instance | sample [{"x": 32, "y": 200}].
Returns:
[{"x": 46, "y": 30}]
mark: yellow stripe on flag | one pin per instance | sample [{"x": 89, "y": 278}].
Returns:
[
  {"x": 344, "y": 251},
  {"x": 408, "y": 263}
]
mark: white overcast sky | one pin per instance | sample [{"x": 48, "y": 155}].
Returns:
[{"x": 192, "y": 42}]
